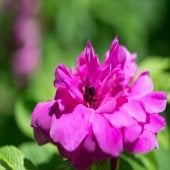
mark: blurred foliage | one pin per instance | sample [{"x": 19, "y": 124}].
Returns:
[{"x": 142, "y": 26}]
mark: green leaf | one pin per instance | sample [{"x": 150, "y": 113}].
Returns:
[
  {"x": 44, "y": 157},
  {"x": 64, "y": 165},
  {"x": 38, "y": 154},
  {"x": 2, "y": 168},
  {"x": 104, "y": 165},
  {"x": 159, "y": 68},
  {"x": 11, "y": 158},
  {"x": 164, "y": 138},
  {"x": 163, "y": 157},
  {"x": 132, "y": 162},
  {"x": 148, "y": 160},
  {"x": 22, "y": 116}
]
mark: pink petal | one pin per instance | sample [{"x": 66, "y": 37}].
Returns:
[
  {"x": 41, "y": 136},
  {"x": 146, "y": 142},
  {"x": 110, "y": 80},
  {"x": 132, "y": 132},
  {"x": 71, "y": 128},
  {"x": 88, "y": 65},
  {"x": 87, "y": 56},
  {"x": 80, "y": 159},
  {"x": 89, "y": 143},
  {"x": 119, "y": 119},
  {"x": 67, "y": 102},
  {"x": 41, "y": 121},
  {"x": 130, "y": 67},
  {"x": 156, "y": 123},
  {"x": 107, "y": 105},
  {"x": 116, "y": 55},
  {"x": 108, "y": 138},
  {"x": 155, "y": 102},
  {"x": 64, "y": 78},
  {"x": 135, "y": 110},
  {"x": 142, "y": 86}
]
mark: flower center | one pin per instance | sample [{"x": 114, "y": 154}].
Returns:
[{"x": 89, "y": 95}]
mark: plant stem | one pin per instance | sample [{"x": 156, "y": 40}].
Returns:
[{"x": 114, "y": 163}]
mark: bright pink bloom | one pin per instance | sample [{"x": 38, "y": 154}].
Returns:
[{"x": 99, "y": 111}]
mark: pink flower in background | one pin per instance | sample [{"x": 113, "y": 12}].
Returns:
[
  {"x": 99, "y": 110},
  {"x": 26, "y": 37},
  {"x": 27, "y": 55}
]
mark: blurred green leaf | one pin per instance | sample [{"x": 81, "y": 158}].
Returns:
[
  {"x": 163, "y": 157},
  {"x": 2, "y": 168},
  {"x": 159, "y": 68},
  {"x": 42, "y": 87},
  {"x": 11, "y": 158},
  {"x": 64, "y": 166},
  {"x": 38, "y": 154},
  {"x": 7, "y": 97},
  {"x": 148, "y": 160},
  {"x": 134, "y": 163},
  {"x": 102, "y": 165},
  {"x": 164, "y": 139},
  {"x": 44, "y": 157},
  {"x": 22, "y": 116}
]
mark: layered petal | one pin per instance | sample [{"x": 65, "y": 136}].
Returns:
[
  {"x": 107, "y": 105},
  {"x": 116, "y": 56},
  {"x": 132, "y": 132},
  {"x": 89, "y": 143},
  {"x": 109, "y": 138},
  {"x": 70, "y": 129},
  {"x": 156, "y": 123},
  {"x": 41, "y": 121},
  {"x": 110, "y": 80},
  {"x": 119, "y": 118},
  {"x": 80, "y": 159},
  {"x": 135, "y": 110},
  {"x": 142, "y": 86},
  {"x": 88, "y": 65},
  {"x": 147, "y": 141},
  {"x": 64, "y": 78},
  {"x": 130, "y": 67},
  {"x": 65, "y": 100},
  {"x": 154, "y": 102}
]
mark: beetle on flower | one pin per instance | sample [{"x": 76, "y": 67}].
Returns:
[{"x": 100, "y": 109}]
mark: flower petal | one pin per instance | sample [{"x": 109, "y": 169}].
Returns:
[
  {"x": 65, "y": 101},
  {"x": 116, "y": 55},
  {"x": 41, "y": 121},
  {"x": 80, "y": 159},
  {"x": 119, "y": 119},
  {"x": 108, "y": 138},
  {"x": 107, "y": 105},
  {"x": 155, "y": 102},
  {"x": 64, "y": 78},
  {"x": 146, "y": 142},
  {"x": 71, "y": 128},
  {"x": 110, "y": 81},
  {"x": 132, "y": 132},
  {"x": 142, "y": 86},
  {"x": 135, "y": 110},
  {"x": 130, "y": 67},
  {"x": 156, "y": 123},
  {"x": 88, "y": 65}
]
